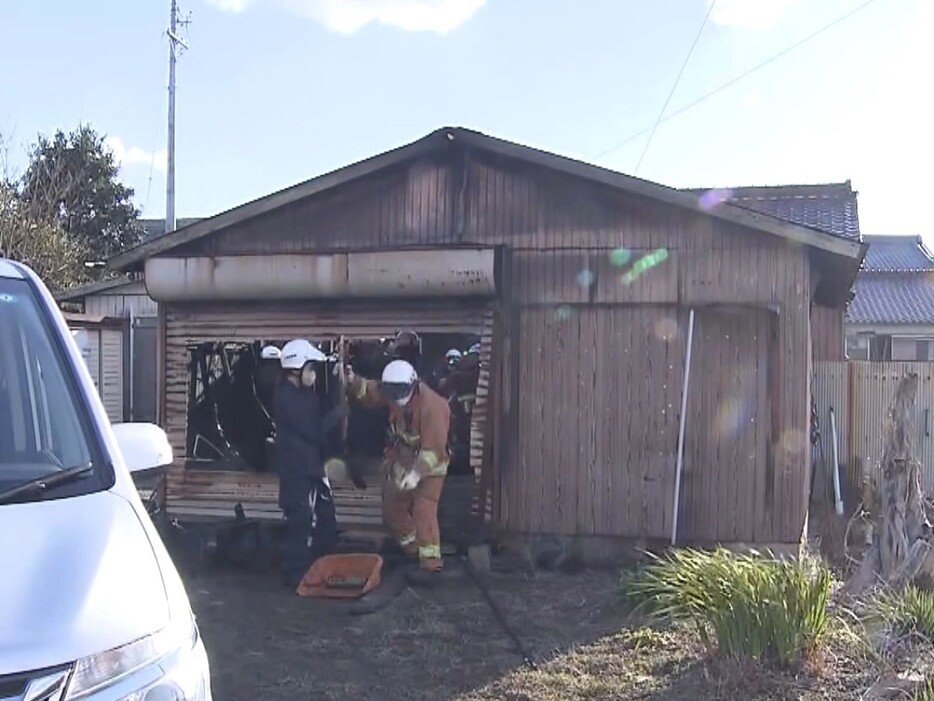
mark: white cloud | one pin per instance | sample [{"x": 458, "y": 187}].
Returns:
[
  {"x": 136, "y": 156},
  {"x": 348, "y": 16},
  {"x": 748, "y": 14},
  {"x": 230, "y": 5}
]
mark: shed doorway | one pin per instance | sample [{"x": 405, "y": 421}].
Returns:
[{"x": 208, "y": 481}]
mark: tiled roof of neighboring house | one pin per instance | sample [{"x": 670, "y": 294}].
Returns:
[
  {"x": 828, "y": 207},
  {"x": 892, "y": 298},
  {"x": 896, "y": 284},
  {"x": 154, "y": 228},
  {"x": 897, "y": 253}
]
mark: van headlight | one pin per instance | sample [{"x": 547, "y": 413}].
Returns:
[{"x": 170, "y": 665}]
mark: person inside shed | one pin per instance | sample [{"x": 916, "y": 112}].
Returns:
[
  {"x": 444, "y": 371},
  {"x": 416, "y": 460},
  {"x": 407, "y": 346},
  {"x": 301, "y": 432}
]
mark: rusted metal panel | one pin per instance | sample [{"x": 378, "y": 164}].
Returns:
[
  {"x": 423, "y": 273},
  {"x": 209, "y": 491}
]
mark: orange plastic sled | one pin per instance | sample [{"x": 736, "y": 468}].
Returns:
[{"x": 341, "y": 576}]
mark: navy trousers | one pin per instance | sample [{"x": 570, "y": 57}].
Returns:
[{"x": 310, "y": 529}]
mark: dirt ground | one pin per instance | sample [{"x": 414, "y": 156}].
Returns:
[{"x": 445, "y": 644}]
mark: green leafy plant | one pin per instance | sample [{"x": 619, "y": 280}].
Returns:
[
  {"x": 908, "y": 613},
  {"x": 752, "y": 607}
]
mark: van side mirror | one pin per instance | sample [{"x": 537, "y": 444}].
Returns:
[{"x": 144, "y": 446}]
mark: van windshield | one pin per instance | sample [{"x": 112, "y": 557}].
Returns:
[{"x": 42, "y": 433}]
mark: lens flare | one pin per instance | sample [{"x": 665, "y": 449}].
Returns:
[
  {"x": 620, "y": 257},
  {"x": 712, "y": 198},
  {"x": 585, "y": 278}
]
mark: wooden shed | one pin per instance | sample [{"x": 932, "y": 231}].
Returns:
[
  {"x": 123, "y": 298},
  {"x": 581, "y": 283}
]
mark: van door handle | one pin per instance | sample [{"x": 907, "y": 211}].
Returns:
[{"x": 927, "y": 423}]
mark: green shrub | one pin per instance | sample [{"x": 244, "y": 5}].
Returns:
[
  {"x": 909, "y": 613},
  {"x": 753, "y": 607},
  {"x": 925, "y": 692}
]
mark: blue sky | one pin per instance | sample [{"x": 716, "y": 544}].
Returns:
[{"x": 273, "y": 92}]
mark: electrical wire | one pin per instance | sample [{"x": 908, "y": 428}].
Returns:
[
  {"x": 738, "y": 78},
  {"x": 674, "y": 87}
]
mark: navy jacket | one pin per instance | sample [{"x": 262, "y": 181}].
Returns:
[{"x": 301, "y": 432}]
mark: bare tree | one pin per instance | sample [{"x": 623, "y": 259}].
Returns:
[
  {"x": 902, "y": 550},
  {"x": 33, "y": 237}
]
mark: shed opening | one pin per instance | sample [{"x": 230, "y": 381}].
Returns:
[{"x": 231, "y": 393}]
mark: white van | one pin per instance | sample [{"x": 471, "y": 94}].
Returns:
[{"x": 91, "y": 606}]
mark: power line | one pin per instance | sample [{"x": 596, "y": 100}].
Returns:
[
  {"x": 675, "y": 86},
  {"x": 738, "y": 78}
]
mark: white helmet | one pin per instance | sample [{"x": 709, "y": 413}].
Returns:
[
  {"x": 271, "y": 353},
  {"x": 398, "y": 381},
  {"x": 452, "y": 354},
  {"x": 298, "y": 352}
]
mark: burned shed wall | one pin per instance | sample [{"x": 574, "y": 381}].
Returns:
[{"x": 592, "y": 325}]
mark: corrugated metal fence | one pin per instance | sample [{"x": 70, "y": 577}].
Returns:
[{"x": 861, "y": 394}]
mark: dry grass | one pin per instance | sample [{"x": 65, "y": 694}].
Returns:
[{"x": 445, "y": 645}]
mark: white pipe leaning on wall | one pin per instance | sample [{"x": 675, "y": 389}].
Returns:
[
  {"x": 129, "y": 380},
  {"x": 684, "y": 406},
  {"x": 838, "y": 497}
]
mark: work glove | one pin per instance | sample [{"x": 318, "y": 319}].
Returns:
[{"x": 409, "y": 480}]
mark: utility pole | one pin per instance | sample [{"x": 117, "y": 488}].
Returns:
[{"x": 174, "y": 43}]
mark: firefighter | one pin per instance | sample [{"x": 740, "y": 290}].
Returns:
[
  {"x": 442, "y": 376},
  {"x": 301, "y": 431},
  {"x": 407, "y": 346},
  {"x": 416, "y": 460}
]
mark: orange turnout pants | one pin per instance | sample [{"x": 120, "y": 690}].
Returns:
[{"x": 412, "y": 518}]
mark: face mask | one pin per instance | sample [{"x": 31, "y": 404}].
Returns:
[{"x": 308, "y": 376}]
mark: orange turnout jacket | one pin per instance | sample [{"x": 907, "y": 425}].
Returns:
[{"x": 418, "y": 431}]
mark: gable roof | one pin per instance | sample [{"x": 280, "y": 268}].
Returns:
[
  {"x": 439, "y": 141},
  {"x": 897, "y": 254},
  {"x": 828, "y": 207}
]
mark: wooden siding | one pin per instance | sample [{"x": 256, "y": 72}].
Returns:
[
  {"x": 403, "y": 207},
  {"x": 597, "y": 422},
  {"x": 827, "y": 333},
  {"x": 730, "y": 486},
  {"x": 126, "y": 300}
]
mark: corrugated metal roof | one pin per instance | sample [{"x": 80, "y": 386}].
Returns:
[
  {"x": 827, "y": 207},
  {"x": 892, "y": 298},
  {"x": 897, "y": 253}
]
